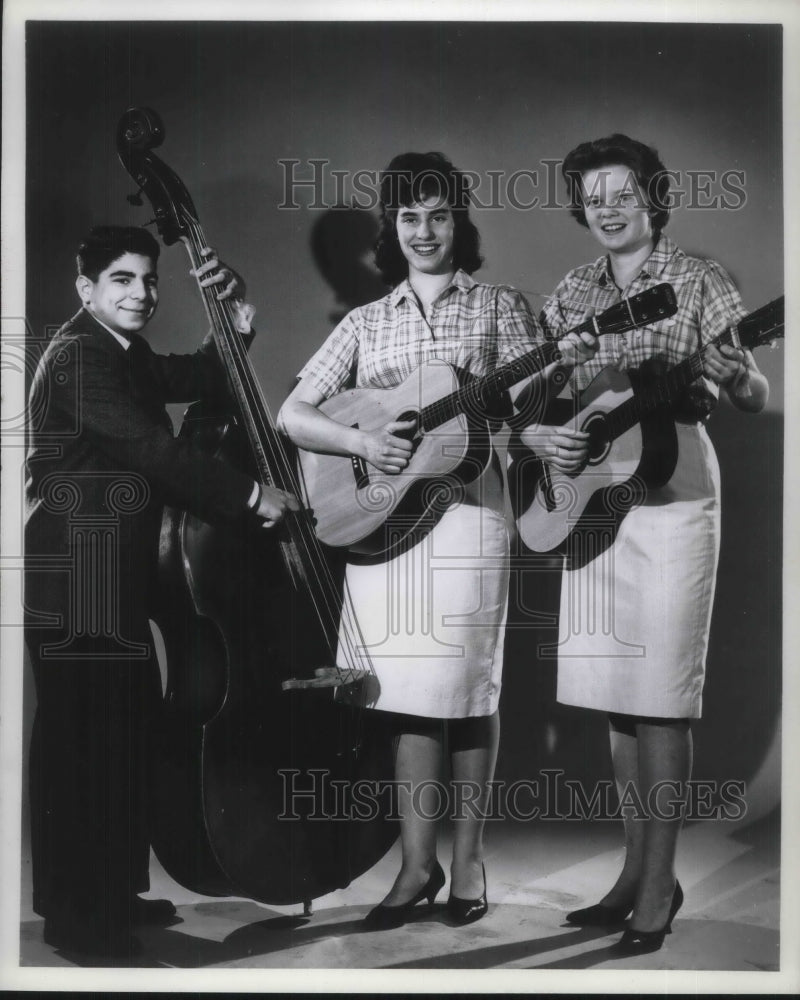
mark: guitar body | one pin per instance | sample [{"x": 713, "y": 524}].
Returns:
[
  {"x": 551, "y": 507},
  {"x": 357, "y": 506},
  {"x": 633, "y": 447}
]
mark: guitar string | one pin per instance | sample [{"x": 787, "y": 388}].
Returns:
[
  {"x": 325, "y": 603},
  {"x": 471, "y": 393},
  {"x": 535, "y": 361},
  {"x": 624, "y": 416},
  {"x": 627, "y": 414},
  {"x": 448, "y": 407},
  {"x": 759, "y": 327},
  {"x": 302, "y": 535}
]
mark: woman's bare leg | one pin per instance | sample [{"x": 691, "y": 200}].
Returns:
[
  {"x": 418, "y": 764},
  {"x": 665, "y": 766},
  {"x": 473, "y": 755}
]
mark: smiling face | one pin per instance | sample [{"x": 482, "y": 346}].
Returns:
[
  {"x": 616, "y": 209},
  {"x": 125, "y": 294},
  {"x": 426, "y": 233}
]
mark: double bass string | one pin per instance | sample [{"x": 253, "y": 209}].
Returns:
[{"x": 305, "y": 548}]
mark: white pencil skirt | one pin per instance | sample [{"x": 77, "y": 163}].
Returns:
[
  {"x": 634, "y": 622},
  {"x": 432, "y": 620}
]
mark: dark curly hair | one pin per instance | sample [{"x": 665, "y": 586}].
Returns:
[
  {"x": 644, "y": 162},
  {"x": 408, "y": 179},
  {"x": 105, "y": 244}
]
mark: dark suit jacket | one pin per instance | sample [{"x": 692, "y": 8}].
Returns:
[{"x": 103, "y": 462}]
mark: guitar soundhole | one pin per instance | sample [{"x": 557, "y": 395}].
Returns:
[
  {"x": 408, "y": 415},
  {"x": 413, "y": 433},
  {"x": 599, "y": 443}
]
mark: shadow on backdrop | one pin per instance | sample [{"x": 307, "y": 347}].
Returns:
[{"x": 342, "y": 240}]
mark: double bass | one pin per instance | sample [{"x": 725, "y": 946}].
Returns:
[{"x": 265, "y": 785}]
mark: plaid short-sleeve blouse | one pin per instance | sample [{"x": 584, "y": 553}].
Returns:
[
  {"x": 471, "y": 325},
  {"x": 708, "y": 302}
]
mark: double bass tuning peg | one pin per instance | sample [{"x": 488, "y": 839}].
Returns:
[{"x": 135, "y": 199}]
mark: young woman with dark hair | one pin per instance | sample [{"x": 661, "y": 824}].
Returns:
[
  {"x": 432, "y": 617},
  {"x": 408, "y": 179}
]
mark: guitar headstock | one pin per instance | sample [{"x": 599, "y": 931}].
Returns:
[
  {"x": 650, "y": 306},
  {"x": 764, "y": 326},
  {"x": 654, "y": 304}
]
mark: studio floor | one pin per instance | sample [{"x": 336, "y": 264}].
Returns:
[{"x": 535, "y": 873}]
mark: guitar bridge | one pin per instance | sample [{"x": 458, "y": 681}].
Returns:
[
  {"x": 360, "y": 471},
  {"x": 348, "y": 687}
]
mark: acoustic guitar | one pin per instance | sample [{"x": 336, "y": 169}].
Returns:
[
  {"x": 551, "y": 507},
  {"x": 370, "y": 512}
]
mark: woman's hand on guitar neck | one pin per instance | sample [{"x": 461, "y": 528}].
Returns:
[
  {"x": 562, "y": 449},
  {"x": 386, "y": 449},
  {"x": 577, "y": 348}
]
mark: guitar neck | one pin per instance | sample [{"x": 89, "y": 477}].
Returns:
[
  {"x": 754, "y": 329},
  {"x": 662, "y": 394},
  {"x": 476, "y": 396}
]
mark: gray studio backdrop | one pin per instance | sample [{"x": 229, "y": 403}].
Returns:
[{"x": 505, "y": 101}]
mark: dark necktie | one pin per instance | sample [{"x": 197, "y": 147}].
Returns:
[
  {"x": 138, "y": 356},
  {"x": 144, "y": 381}
]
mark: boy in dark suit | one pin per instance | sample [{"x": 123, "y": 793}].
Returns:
[{"x": 102, "y": 463}]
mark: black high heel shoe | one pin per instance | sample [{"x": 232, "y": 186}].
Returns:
[
  {"x": 599, "y": 915},
  {"x": 467, "y": 911},
  {"x": 385, "y": 918},
  {"x": 635, "y": 942}
]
